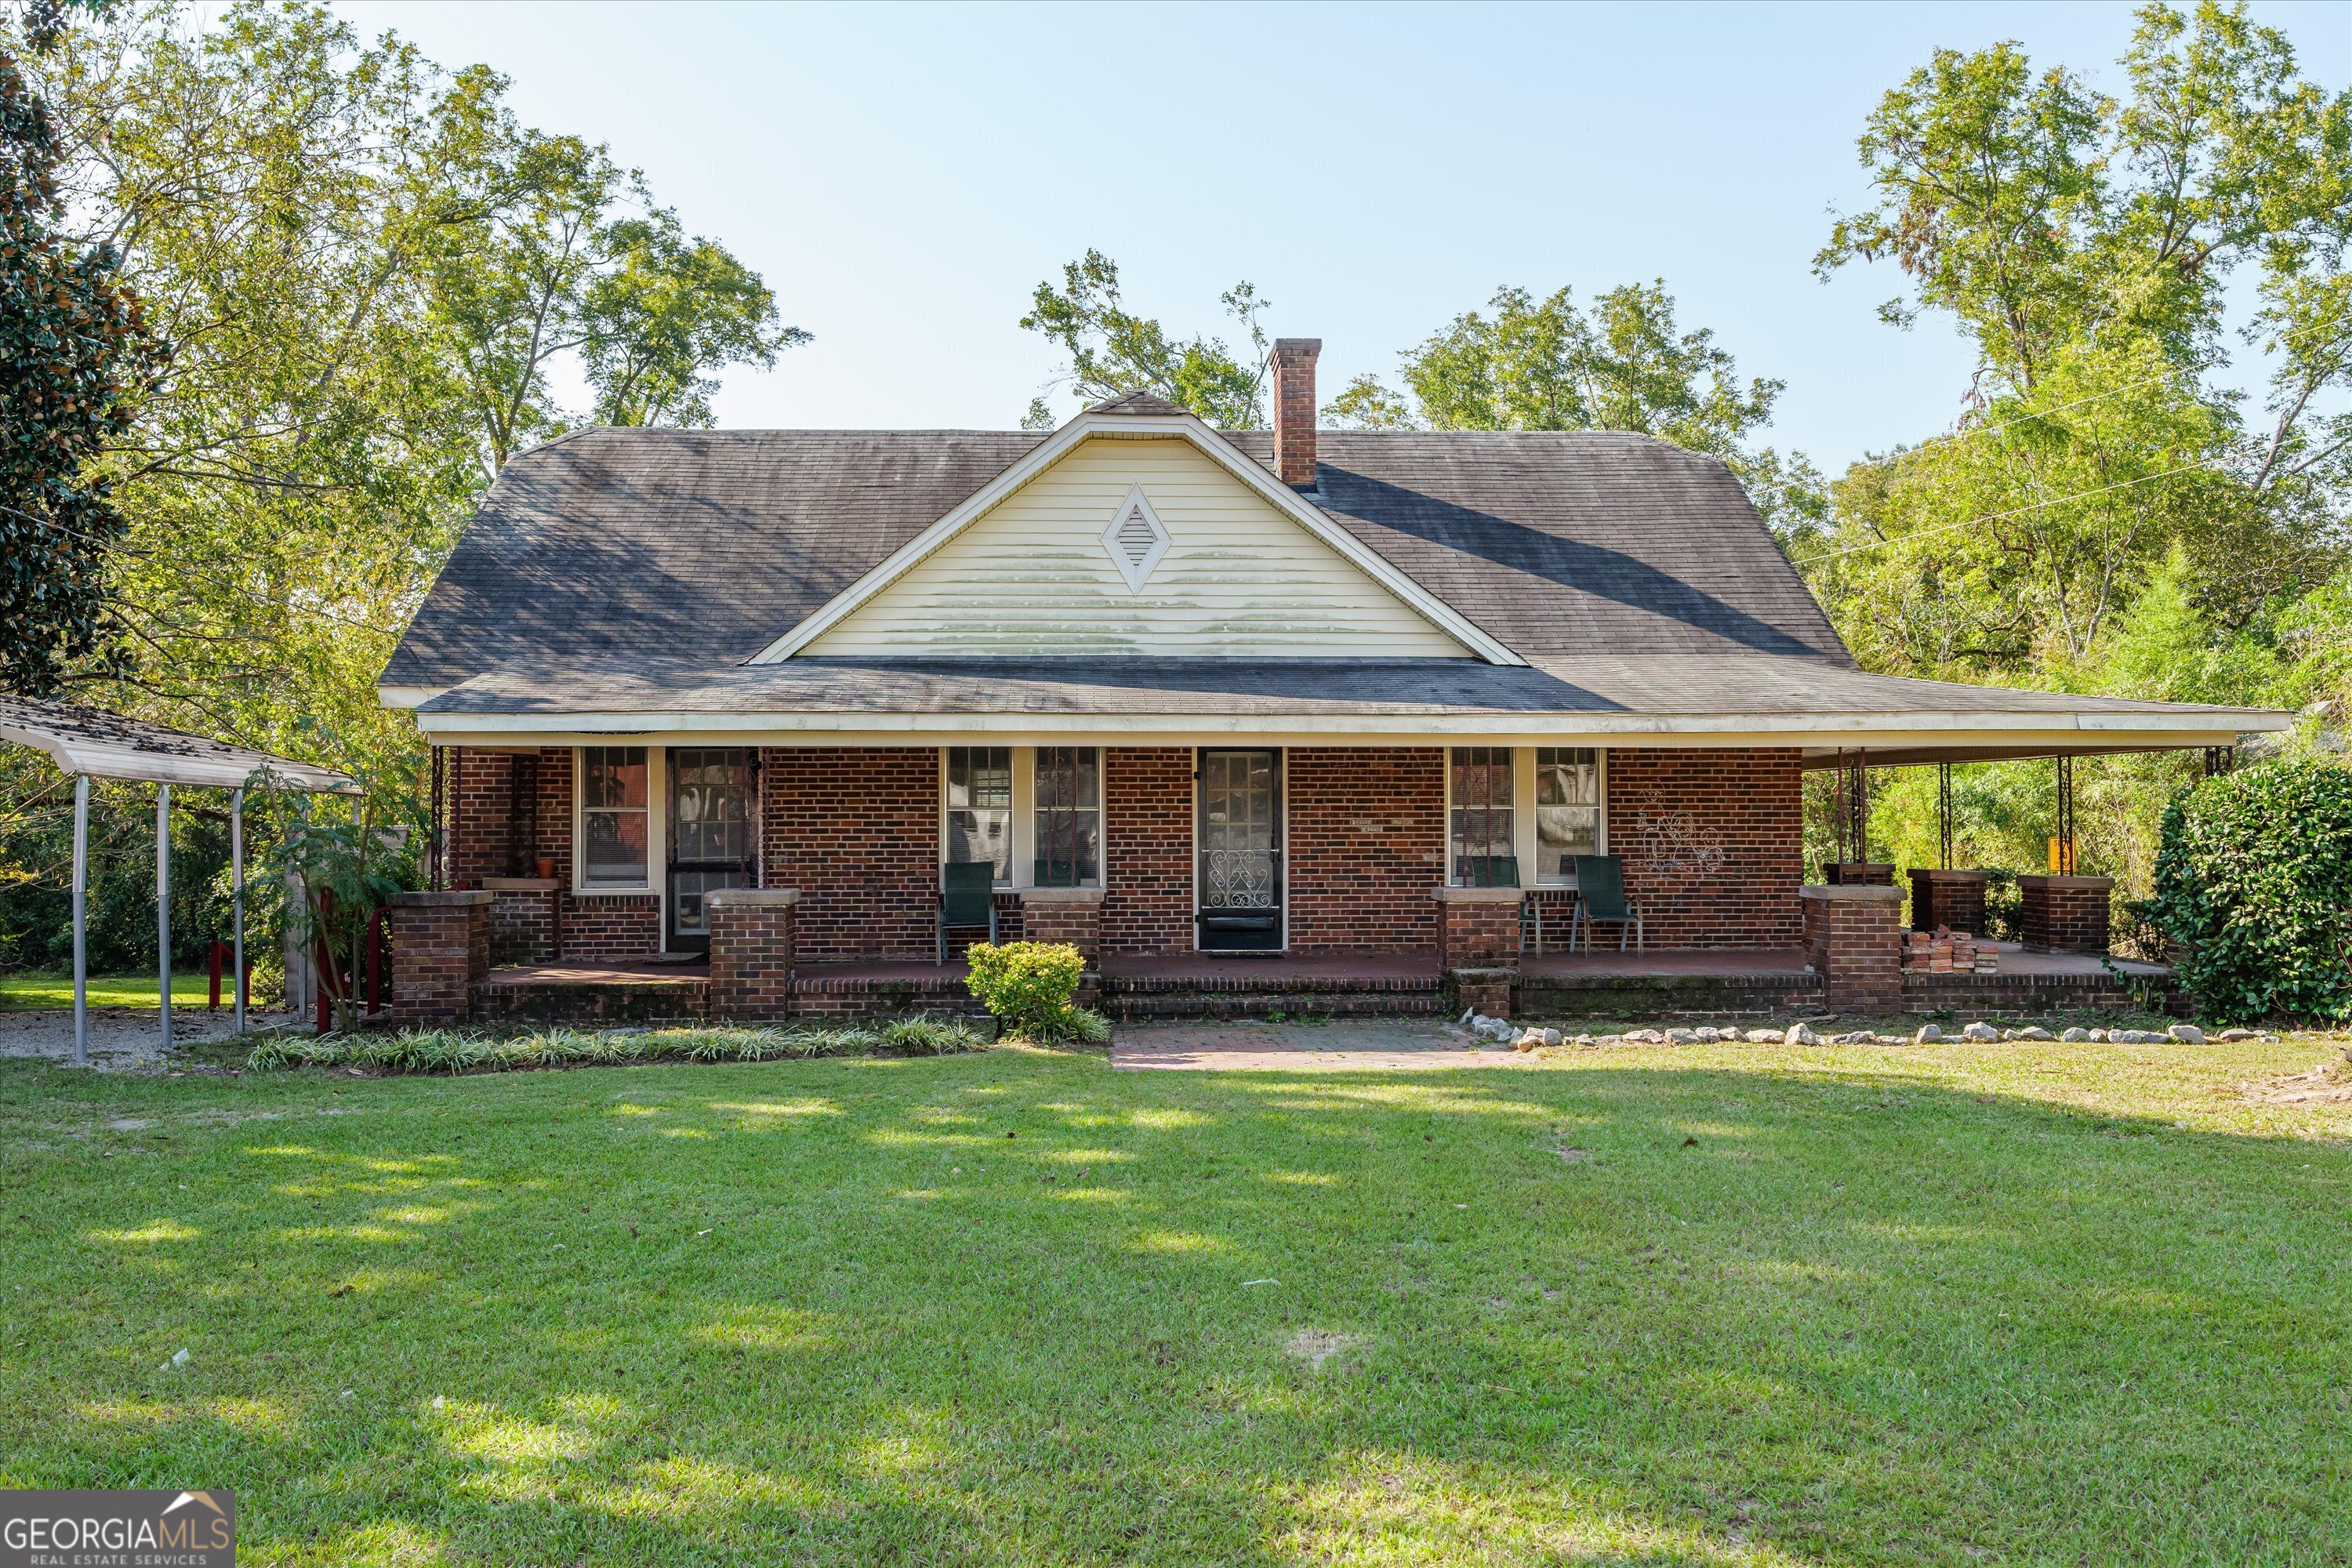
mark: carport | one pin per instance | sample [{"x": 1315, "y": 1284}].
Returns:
[{"x": 89, "y": 743}]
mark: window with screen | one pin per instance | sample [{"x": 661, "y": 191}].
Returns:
[
  {"x": 1068, "y": 819},
  {"x": 1568, "y": 809},
  {"x": 614, "y": 816},
  {"x": 980, "y": 807},
  {"x": 1481, "y": 830}
]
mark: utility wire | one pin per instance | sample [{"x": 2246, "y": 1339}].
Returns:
[{"x": 1995, "y": 517}]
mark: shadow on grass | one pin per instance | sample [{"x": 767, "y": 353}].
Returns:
[{"x": 831, "y": 1312}]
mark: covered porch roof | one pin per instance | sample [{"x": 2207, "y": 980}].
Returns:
[{"x": 1820, "y": 705}]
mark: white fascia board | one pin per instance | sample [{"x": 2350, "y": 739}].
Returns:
[
  {"x": 406, "y": 695},
  {"x": 1047, "y": 453},
  {"x": 1567, "y": 729}
]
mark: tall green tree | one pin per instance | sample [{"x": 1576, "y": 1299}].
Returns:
[
  {"x": 75, "y": 355},
  {"x": 1622, "y": 364},
  {"x": 1112, "y": 351}
]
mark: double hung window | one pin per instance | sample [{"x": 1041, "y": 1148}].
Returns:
[
  {"x": 1483, "y": 843},
  {"x": 1568, "y": 809},
  {"x": 1067, "y": 821},
  {"x": 614, "y": 816},
  {"x": 980, "y": 808}
]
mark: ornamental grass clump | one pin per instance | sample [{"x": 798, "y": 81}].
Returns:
[
  {"x": 1033, "y": 987},
  {"x": 2253, "y": 879},
  {"x": 457, "y": 1051}
]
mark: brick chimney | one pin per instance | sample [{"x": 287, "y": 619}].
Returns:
[{"x": 1294, "y": 409}]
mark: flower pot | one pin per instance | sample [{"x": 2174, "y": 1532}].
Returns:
[{"x": 547, "y": 868}]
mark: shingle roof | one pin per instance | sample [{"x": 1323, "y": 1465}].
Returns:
[{"x": 711, "y": 544}]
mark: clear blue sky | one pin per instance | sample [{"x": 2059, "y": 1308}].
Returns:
[{"x": 905, "y": 177}]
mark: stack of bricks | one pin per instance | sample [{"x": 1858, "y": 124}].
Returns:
[
  {"x": 752, "y": 934},
  {"x": 1946, "y": 952},
  {"x": 440, "y": 956}
]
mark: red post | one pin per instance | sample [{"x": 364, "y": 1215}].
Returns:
[{"x": 213, "y": 1004}]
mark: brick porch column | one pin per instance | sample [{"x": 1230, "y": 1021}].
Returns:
[
  {"x": 440, "y": 956},
  {"x": 1854, "y": 935},
  {"x": 2066, "y": 914},
  {"x": 1478, "y": 945},
  {"x": 1073, "y": 915},
  {"x": 1954, "y": 899},
  {"x": 751, "y": 954}
]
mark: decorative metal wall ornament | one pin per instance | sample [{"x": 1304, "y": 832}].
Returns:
[
  {"x": 1135, "y": 538},
  {"x": 1676, "y": 843}
]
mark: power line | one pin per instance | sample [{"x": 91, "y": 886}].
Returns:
[{"x": 1996, "y": 517}]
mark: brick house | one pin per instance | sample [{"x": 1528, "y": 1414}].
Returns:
[{"x": 1191, "y": 693}]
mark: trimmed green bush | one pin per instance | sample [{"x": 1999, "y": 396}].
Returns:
[
  {"x": 1032, "y": 985},
  {"x": 2253, "y": 879},
  {"x": 453, "y": 1051}
]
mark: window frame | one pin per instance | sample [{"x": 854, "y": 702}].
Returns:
[
  {"x": 1011, "y": 807},
  {"x": 656, "y": 835},
  {"x": 1023, "y": 834},
  {"x": 1523, "y": 812}
]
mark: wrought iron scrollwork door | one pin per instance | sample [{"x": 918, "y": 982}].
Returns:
[{"x": 1241, "y": 850}]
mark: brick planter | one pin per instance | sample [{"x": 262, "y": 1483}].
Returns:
[
  {"x": 1072, "y": 915},
  {"x": 523, "y": 919},
  {"x": 751, "y": 936},
  {"x": 2066, "y": 914},
  {"x": 440, "y": 956},
  {"x": 1854, "y": 936},
  {"x": 1953, "y": 899}
]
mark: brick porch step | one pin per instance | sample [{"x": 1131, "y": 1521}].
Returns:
[
  {"x": 1213, "y": 987},
  {"x": 594, "y": 995}
]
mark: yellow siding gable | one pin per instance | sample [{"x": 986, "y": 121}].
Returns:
[{"x": 1238, "y": 580}]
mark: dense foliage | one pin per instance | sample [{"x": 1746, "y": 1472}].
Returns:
[
  {"x": 2254, "y": 881},
  {"x": 1113, "y": 350},
  {"x": 74, "y": 353},
  {"x": 454, "y": 1051},
  {"x": 1031, "y": 985}
]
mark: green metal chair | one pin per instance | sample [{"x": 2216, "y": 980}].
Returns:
[
  {"x": 1601, "y": 897},
  {"x": 967, "y": 898}
]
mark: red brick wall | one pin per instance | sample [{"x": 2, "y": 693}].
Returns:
[
  {"x": 856, "y": 830},
  {"x": 1481, "y": 931},
  {"x": 440, "y": 954},
  {"x": 751, "y": 958},
  {"x": 1712, "y": 844},
  {"x": 611, "y": 928},
  {"x": 1147, "y": 849},
  {"x": 483, "y": 789},
  {"x": 2066, "y": 914},
  {"x": 1855, "y": 946},
  {"x": 1367, "y": 844}
]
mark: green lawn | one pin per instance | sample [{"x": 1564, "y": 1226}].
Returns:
[
  {"x": 2053, "y": 1304},
  {"x": 19, "y": 993}
]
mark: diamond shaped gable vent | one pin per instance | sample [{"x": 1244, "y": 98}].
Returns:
[{"x": 1135, "y": 538}]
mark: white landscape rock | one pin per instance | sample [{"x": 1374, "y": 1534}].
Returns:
[
  {"x": 1682, "y": 1037},
  {"x": 1551, "y": 1037},
  {"x": 1928, "y": 1035},
  {"x": 2187, "y": 1034},
  {"x": 1980, "y": 1031},
  {"x": 2076, "y": 1035},
  {"x": 1763, "y": 1037},
  {"x": 2233, "y": 1037},
  {"x": 1800, "y": 1035},
  {"x": 2034, "y": 1032}
]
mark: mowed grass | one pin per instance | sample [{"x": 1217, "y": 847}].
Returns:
[
  {"x": 19, "y": 993},
  {"x": 2019, "y": 1304}
]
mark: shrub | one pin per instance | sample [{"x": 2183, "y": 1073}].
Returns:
[
  {"x": 1029, "y": 984},
  {"x": 449, "y": 1051},
  {"x": 2253, "y": 879}
]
